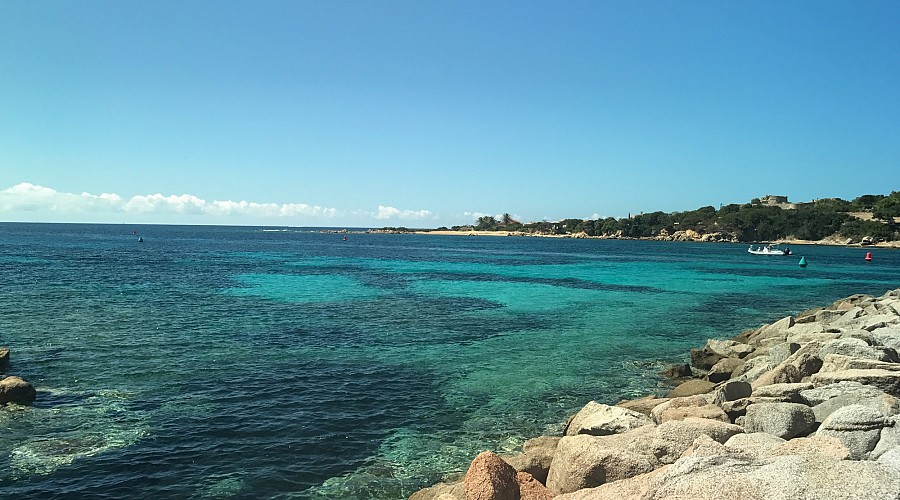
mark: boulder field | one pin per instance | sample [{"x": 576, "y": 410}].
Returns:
[{"x": 807, "y": 407}]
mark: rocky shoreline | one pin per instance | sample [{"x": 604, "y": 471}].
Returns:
[
  {"x": 678, "y": 236},
  {"x": 807, "y": 407}
]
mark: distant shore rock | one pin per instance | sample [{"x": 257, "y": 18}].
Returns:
[
  {"x": 686, "y": 235},
  {"x": 805, "y": 407},
  {"x": 692, "y": 235}
]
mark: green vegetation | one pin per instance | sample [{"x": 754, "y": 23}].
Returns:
[
  {"x": 488, "y": 223},
  {"x": 828, "y": 218}
]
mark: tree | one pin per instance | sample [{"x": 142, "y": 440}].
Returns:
[
  {"x": 609, "y": 226},
  {"x": 834, "y": 204},
  {"x": 755, "y": 223},
  {"x": 816, "y": 222},
  {"x": 507, "y": 219},
  {"x": 858, "y": 229},
  {"x": 696, "y": 219},
  {"x": 568, "y": 226},
  {"x": 887, "y": 208},
  {"x": 486, "y": 223},
  {"x": 867, "y": 201},
  {"x": 729, "y": 209}
]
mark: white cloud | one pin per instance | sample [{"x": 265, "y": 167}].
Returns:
[
  {"x": 183, "y": 204},
  {"x": 387, "y": 212},
  {"x": 395, "y": 213},
  {"x": 29, "y": 197},
  {"x": 33, "y": 198},
  {"x": 268, "y": 209}
]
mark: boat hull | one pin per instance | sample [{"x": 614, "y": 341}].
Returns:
[{"x": 768, "y": 251}]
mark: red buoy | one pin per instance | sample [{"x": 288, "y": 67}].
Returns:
[{"x": 868, "y": 256}]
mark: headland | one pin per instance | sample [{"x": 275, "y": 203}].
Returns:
[{"x": 869, "y": 220}]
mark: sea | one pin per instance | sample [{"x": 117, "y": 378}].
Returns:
[{"x": 272, "y": 362}]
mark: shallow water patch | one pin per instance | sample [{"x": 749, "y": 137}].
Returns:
[{"x": 300, "y": 289}]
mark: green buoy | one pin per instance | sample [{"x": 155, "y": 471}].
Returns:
[{"x": 802, "y": 261}]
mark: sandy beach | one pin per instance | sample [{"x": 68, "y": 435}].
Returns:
[{"x": 494, "y": 233}]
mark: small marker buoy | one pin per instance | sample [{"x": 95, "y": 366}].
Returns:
[
  {"x": 345, "y": 238},
  {"x": 802, "y": 261},
  {"x": 868, "y": 256}
]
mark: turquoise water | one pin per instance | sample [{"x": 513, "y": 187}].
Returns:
[{"x": 211, "y": 362}]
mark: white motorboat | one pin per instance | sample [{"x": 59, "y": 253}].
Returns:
[{"x": 769, "y": 250}]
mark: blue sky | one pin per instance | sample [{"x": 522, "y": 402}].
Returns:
[{"x": 427, "y": 113}]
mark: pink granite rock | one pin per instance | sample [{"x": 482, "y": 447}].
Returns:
[{"x": 490, "y": 478}]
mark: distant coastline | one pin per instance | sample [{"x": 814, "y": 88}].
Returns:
[
  {"x": 869, "y": 220},
  {"x": 441, "y": 232}
]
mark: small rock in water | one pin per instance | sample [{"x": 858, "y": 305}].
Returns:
[{"x": 16, "y": 390}]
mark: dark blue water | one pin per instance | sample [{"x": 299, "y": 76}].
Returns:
[{"x": 234, "y": 361}]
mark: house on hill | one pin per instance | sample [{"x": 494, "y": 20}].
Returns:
[
  {"x": 781, "y": 202},
  {"x": 773, "y": 200}
]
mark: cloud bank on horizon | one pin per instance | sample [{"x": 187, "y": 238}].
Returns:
[{"x": 31, "y": 202}]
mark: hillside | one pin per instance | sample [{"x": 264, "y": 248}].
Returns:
[{"x": 866, "y": 219}]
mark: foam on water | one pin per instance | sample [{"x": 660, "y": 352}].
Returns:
[{"x": 40, "y": 440}]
